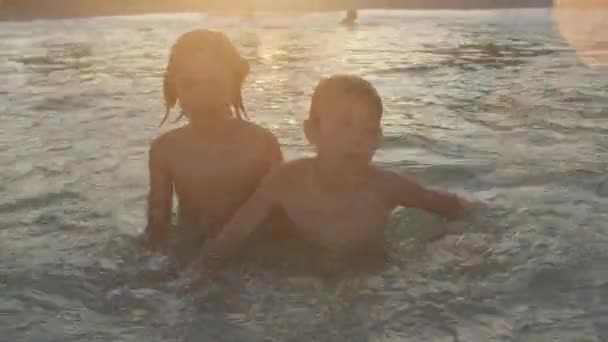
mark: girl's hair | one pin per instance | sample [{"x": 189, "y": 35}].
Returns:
[
  {"x": 212, "y": 42},
  {"x": 331, "y": 88}
]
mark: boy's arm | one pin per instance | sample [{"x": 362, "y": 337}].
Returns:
[
  {"x": 248, "y": 218},
  {"x": 406, "y": 192},
  {"x": 160, "y": 199},
  {"x": 274, "y": 155}
]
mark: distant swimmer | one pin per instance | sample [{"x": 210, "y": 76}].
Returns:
[
  {"x": 350, "y": 19},
  {"x": 492, "y": 49}
]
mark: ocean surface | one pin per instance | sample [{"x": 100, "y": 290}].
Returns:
[{"x": 494, "y": 105}]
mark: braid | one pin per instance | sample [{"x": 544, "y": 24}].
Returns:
[
  {"x": 237, "y": 106},
  {"x": 170, "y": 95}
]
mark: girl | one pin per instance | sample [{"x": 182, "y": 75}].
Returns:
[{"x": 213, "y": 163}]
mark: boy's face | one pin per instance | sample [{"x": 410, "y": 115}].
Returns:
[
  {"x": 349, "y": 129},
  {"x": 203, "y": 84}
]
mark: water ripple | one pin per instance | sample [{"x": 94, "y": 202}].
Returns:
[{"x": 491, "y": 104}]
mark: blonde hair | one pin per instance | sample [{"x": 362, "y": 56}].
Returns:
[
  {"x": 339, "y": 85},
  {"x": 212, "y": 42}
]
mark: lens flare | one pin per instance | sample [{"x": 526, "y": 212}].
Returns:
[{"x": 584, "y": 25}]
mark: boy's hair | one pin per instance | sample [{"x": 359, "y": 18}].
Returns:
[
  {"x": 341, "y": 85},
  {"x": 211, "y": 42}
]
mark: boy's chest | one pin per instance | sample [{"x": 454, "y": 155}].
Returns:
[{"x": 337, "y": 217}]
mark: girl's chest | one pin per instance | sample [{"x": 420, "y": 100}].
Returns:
[{"x": 221, "y": 166}]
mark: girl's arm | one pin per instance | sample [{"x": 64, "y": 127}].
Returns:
[{"x": 160, "y": 199}]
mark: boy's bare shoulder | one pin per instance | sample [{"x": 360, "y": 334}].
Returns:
[
  {"x": 391, "y": 182},
  {"x": 299, "y": 169},
  {"x": 383, "y": 176}
]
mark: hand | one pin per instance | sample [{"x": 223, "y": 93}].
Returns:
[
  {"x": 463, "y": 210},
  {"x": 208, "y": 263},
  {"x": 158, "y": 247},
  {"x": 155, "y": 244},
  {"x": 203, "y": 269}
]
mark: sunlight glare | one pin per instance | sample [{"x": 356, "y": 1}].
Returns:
[{"x": 584, "y": 25}]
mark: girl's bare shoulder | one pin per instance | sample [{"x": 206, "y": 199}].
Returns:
[
  {"x": 254, "y": 132},
  {"x": 169, "y": 139}
]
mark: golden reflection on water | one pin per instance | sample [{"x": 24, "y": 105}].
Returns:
[{"x": 584, "y": 25}]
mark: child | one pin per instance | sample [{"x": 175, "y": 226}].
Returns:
[
  {"x": 337, "y": 200},
  {"x": 215, "y": 162}
]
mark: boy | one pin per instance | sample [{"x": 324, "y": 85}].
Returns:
[{"x": 337, "y": 201}]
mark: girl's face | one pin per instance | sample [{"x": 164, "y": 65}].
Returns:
[{"x": 204, "y": 84}]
